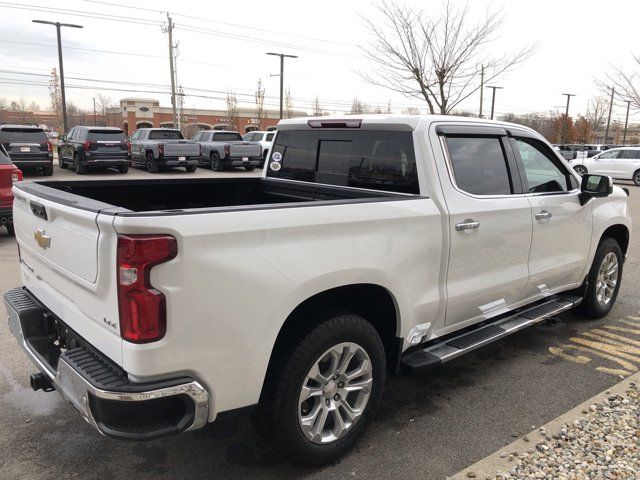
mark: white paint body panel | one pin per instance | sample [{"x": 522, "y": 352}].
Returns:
[{"x": 239, "y": 275}]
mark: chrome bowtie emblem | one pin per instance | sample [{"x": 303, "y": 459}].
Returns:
[{"x": 43, "y": 240}]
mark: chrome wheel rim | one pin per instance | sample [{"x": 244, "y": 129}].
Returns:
[
  {"x": 607, "y": 279},
  {"x": 636, "y": 179},
  {"x": 335, "y": 393}
]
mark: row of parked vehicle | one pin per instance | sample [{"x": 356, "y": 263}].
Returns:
[
  {"x": 621, "y": 163},
  {"x": 91, "y": 147},
  {"x": 575, "y": 151}
]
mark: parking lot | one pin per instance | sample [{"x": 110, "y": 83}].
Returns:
[{"x": 435, "y": 423}]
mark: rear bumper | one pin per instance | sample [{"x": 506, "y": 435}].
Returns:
[
  {"x": 106, "y": 162},
  {"x": 6, "y": 216},
  {"x": 26, "y": 163},
  {"x": 176, "y": 162},
  {"x": 99, "y": 390},
  {"x": 239, "y": 162}
]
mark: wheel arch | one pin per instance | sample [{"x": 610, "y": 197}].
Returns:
[{"x": 620, "y": 233}]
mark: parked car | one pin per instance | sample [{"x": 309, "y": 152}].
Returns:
[
  {"x": 265, "y": 138},
  {"x": 619, "y": 163},
  {"x": 222, "y": 149},
  {"x": 157, "y": 148},
  {"x": 94, "y": 147},
  {"x": 369, "y": 244},
  {"x": 28, "y": 146},
  {"x": 9, "y": 174}
]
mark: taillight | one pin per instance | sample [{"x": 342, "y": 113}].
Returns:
[
  {"x": 161, "y": 149},
  {"x": 49, "y": 147},
  {"x": 16, "y": 175},
  {"x": 227, "y": 150},
  {"x": 143, "y": 311},
  {"x": 128, "y": 145},
  {"x": 87, "y": 146}
]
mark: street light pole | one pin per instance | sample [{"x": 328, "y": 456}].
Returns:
[
  {"x": 626, "y": 123},
  {"x": 94, "y": 111},
  {"x": 606, "y": 134},
  {"x": 493, "y": 98},
  {"x": 566, "y": 117},
  {"x": 282, "y": 56},
  {"x": 62, "y": 92}
]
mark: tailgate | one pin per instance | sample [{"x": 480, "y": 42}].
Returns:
[
  {"x": 245, "y": 149},
  {"x": 61, "y": 248},
  {"x": 184, "y": 148},
  {"x": 31, "y": 150}
]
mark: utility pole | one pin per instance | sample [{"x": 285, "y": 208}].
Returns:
[
  {"x": 171, "y": 67},
  {"x": 565, "y": 124},
  {"x": 95, "y": 121},
  {"x": 282, "y": 56},
  {"x": 62, "y": 92},
  {"x": 626, "y": 123},
  {"x": 481, "y": 89},
  {"x": 493, "y": 98},
  {"x": 606, "y": 135}
]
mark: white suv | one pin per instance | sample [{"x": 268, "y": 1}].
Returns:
[{"x": 620, "y": 163}]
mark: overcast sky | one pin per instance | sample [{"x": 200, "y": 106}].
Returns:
[{"x": 222, "y": 47}]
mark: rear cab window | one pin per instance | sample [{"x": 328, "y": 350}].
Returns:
[
  {"x": 227, "y": 137},
  {"x": 371, "y": 159},
  {"x": 23, "y": 135},
  {"x": 165, "y": 135},
  {"x": 269, "y": 137},
  {"x": 98, "y": 135}
]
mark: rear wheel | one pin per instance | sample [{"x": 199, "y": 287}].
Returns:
[
  {"x": 603, "y": 280},
  {"x": 636, "y": 177},
  {"x": 47, "y": 170},
  {"x": 580, "y": 169},
  {"x": 123, "y": 168},
  {"x": 152, "y": 166},
  {"x": 250, "y": 168},
  {"x": 61, "y": 162},
  {"x": 216, "y": 164},
  {"x": 11, "y": 229},
  {"x": 77, "y": 166},
  {"x": 321, "y": 393},
  {"x": 191, "y": 168}
]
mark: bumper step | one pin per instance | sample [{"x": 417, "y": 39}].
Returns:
[{"x": 441, "y": 352}]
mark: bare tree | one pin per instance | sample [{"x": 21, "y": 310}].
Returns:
[
  {"x": 259, "y": 97},
  {"x": 411, "y": 111},
  {"x": 232, "y": 110},
  {"x": 103, "y": 104},
  {"x": 34, "y": 107},
  {"x": 437, "y": 58},
  {"x": 388, "y": 108},
  {"x": 288, "y": 103},
  {"x": 3, "y": 103},
  {"x": 626, "y": 83},
  {"x": 55, "y": 95},
  {"x": 597, "y": 112},
  {"x": 358, "y": 107},
  {"x": 318, "y": 111}
]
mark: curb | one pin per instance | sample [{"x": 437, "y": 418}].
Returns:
[{"x": 499, "y": 462}]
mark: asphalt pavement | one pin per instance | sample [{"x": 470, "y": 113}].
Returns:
[{"x": 430, "y": 425}]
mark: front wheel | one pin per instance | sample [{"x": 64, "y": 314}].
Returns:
[
  {"x": 636, "y": 178},
  {"x": 61, "y": 162},
  {"x": 603, "y": 280},
  {"x": 321, "y": 394},
  {"x": 78, "y": 166},
  {"x": 580, "y": 170}
]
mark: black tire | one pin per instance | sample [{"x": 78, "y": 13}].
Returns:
[
  {"x": 590, "y": 305},
  {"x": 277, "y": 415},
  {"x": 152, "y": 166},
  {"x": 580, "y": 169},
  {"x": 11, "y": 229},
  {"x": 77, "y": 166},
  {"x": 216, "y": 164},
  {"x": 47, "y": 171},
  {"x": 123, "y": 168},
  {"x": 636, "y": 178},
  {"x": 191, "y": 168},
  {"x": 250, "y": 168},
  {"x": 61, "y": 162},
  {"x": 265, "y": 154}
]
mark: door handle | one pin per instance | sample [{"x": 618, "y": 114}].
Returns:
[
  {"x": 541, "y": 215},
  {"x": 467, "y": 225}
]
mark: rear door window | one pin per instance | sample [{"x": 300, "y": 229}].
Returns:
[
  {"x": 269, "y": 137},
  {"x": 23, "y": 135},
  {"x": 165, "y": 135},
  {"x": 106, "y": 136},
  {"x": 629, "y": 155},
  {"x": 479, "y": 165},
  {"x": 376, "y": 160}
]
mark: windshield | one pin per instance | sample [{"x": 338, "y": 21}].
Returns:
[
  {"x": 29, "y": 135},
  {"x": 165, "y": 135},
  {"x": 226, "y": 137}
]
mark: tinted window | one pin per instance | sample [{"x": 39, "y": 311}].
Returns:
[
  {"x": 27, "y": 135},
  {"x": 269, "y": 137},
  {"x": 542, "y": 169},
  {"x": 609, "y": 155},
  {"x": 226, "y": 137},
  {"x": 4, "y": 157},
  {"x": 106, "y": 135},
  {"x": 165, "y": 135},
  {"x": 479, "y": 165},
  {"x": 629, "y": 155},
  {"x": 375, "y": 160}
]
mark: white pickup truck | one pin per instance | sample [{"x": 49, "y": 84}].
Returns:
[{"x": 369, "y": 244}]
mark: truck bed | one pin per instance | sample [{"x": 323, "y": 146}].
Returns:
[{"x": 178, "y": 196}]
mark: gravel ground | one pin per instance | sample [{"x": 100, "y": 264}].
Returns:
[{"x": 602, "y": 444}]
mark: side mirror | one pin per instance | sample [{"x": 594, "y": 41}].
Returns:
[{"x": 595, "y": 186}]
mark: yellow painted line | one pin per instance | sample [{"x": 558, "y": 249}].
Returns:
[
  {"x": 559, "y": 352},
  {"x": 602, "y": 335},
  {"x": 618, "y": 351},
  {"x": 629, "y": 367},
  {"x": 623, "y": 329}
]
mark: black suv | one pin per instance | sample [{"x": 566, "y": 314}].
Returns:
[
  {"x": 28, "y": 146},
  {"x": 102, "y": 147}
]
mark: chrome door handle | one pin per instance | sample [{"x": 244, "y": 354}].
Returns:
[
  {"x": 467, "y": 225},
  {"x": 543, "y": 214}
]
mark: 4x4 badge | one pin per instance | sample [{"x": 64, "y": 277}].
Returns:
[{"x": 43, "y": 240}]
